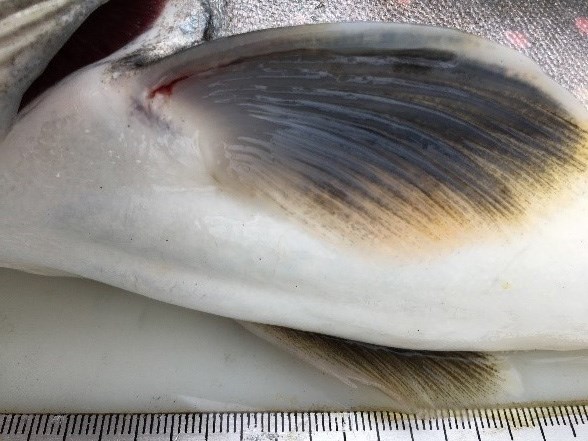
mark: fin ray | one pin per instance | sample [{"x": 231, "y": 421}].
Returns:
[
  {"x": 414, "y": 380},
  {"x": 395, "y": 148}
]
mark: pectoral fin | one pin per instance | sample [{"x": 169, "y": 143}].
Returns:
[
  {"x": 414, "y": 380},
  {"x": 382, "y": 146}
]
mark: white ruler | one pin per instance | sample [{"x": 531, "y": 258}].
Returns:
[{"x": 536, "y": 423}]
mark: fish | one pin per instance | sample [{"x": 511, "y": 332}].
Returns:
[{"x": 398, "y": 205}]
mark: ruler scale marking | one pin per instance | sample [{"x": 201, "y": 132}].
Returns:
[
  {"x": 101, "y": 427},
  {"x": 476, "y": 426},
  {"x": 499, "y": 413},
  {"x": 109, "y": 424},
  {"x": 526, "y": 424},
  {"x": 508, "y": 425},
  {"x": 559, "y": 415},
  {"x": 303, "y": 420},
  {"x": 542, "y": 422},
  {"x": 444, "y": 431},
  {"x": 31, "y": 424},
  {"x": 10, "y": 424},
  {"x": 329, "y": 421},
  {"x": 66, "y": 426},
  {"x": 551, "y": 423},
  {"x": 576, "y": 413},
  {"x": 206, "y": 428},
  {"x": 46, "y": 424},
  {"x": 478, "y": 417},
  {"x": 349, "y": 425},
  {"x": 377, "y": 427},
  {"x": 488, "y": 423},
  {"x": 570, "y": 421},
  {"x": 410, "y": 429},
  {"x": 539, "y": 424}
]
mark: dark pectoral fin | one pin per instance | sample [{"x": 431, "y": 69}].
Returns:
[
  {"x": 414, "y": 380},
  {"x": 387, "y": 148}
]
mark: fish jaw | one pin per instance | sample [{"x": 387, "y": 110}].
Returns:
[{"x": 103, "y": 184}]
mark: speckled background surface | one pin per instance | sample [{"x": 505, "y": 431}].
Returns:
[{"x": 552, "y": 32}]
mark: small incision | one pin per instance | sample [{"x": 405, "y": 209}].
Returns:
[
  {"x": 106, "y": 30},
  {"x": 166, "y": 89}
]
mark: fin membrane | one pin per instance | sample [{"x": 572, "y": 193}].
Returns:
[
  {"x": 414, "y": 380},
  {"x": 395, "y": 148}
]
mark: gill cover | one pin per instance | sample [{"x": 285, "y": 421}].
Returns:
[{"x": 31, "y": 32}]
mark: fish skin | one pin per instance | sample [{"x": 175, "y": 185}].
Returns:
[{"x": 98, "y": 182}]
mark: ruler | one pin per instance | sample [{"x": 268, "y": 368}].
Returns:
[{"x": 534, "y": 423}]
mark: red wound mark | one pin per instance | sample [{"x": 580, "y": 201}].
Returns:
[
  {"x": 582, "y": 25},
  {"x": 106, "y": 30},
  {"x": 166, "y": 89}
]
